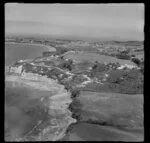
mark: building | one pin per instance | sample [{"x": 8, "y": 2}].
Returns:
[{"x": 17, "y": 69}]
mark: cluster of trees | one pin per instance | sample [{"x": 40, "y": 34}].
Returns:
[
  {"x": 75, "y": 93},
  {"x": 16, "y": 63},
  {"x": 139, "y": 63},
  {"x": 97, "y": 68},
  {"x": 48, "y": 53},
  {"x": 76, "y": 107},
  {"x": 67, "y": 85},
  {"x": 77, "y": 79},
  {"x": 115, "y": 76},
  {"x": 67, "y": 64},
  {"x": 132, "y": 55},
  {"x": 27, "y": 67},
  {"x": 120, "y": 81},
  {"x": 126, "y": 81},
  {"x": 123, "y": 55},
  {"x": 100, "y": 67},
  {"x": 55, "y": 74},
  {"x": 136, "y": 61},
  {"x": 84, "y": 65},
  {"x": 142, "y": 67},
  {"x": 61, "y": 50}
]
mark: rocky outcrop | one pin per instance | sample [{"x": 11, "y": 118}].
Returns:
[
  {"x": 57, "y": 102},
  {"x": 58, "y": 105}
]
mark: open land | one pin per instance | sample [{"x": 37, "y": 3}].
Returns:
[{"x": 91, "y": 90}]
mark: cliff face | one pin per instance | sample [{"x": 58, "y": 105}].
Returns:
[{"x": 57, "y": 103}]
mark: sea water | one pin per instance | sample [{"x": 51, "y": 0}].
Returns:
[
  {"x": 22, "y": 110},
  {"x": 18, "y": 51}
]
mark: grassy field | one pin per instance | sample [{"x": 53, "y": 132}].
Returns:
[
  {"x": 90, "y": 132},
  {"x": 107, "y": 106},
  {"x": 119, "y": 110},
  {"x": 92, "y": 57}
]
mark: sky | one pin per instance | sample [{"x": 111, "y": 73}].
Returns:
[{"x": 99, "y": 21}]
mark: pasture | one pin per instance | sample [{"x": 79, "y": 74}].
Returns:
[
  {"x": 117, "y": 110},
  {"x": 92, "y": 57}
]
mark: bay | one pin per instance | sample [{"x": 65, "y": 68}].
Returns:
[{"x": 21, "y": 51}]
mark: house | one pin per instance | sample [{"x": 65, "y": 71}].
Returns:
[
  {"x": 17, "y": 69},
  {"x": 127, "y": 66}
]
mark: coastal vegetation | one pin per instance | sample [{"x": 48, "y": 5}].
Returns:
[{"x": 89, "y": 87}]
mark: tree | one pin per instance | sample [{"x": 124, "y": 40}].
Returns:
[
  {"x": 67, "y": 64},
  {"x": 115, "y": 76},
  {"x": 123, "y": 55},
  {"x": 75, "y": 93},
  {"x": 126, "y": 81},
  {"x": 61, "y": 57},
  {"x": 136, "y": 61},
  {"x": 142, "y": 67},
  {"x": 95, "y": 65},
  {"x": 132, "y": 55},
  {"x": 98, "y": 67},
  {"x": 68, "y": 87},
  {"x": 61, "y": 50},
  {"x": 48, "y": 53}
]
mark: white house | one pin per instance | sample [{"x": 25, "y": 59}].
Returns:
[
  {"x": 127, "y": 66},
  {"x": 16, "y": 69}
]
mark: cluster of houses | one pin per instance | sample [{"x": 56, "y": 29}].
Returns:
[
  {"x": 16, "y": 69},
  {"x": 127, "y": 66}
]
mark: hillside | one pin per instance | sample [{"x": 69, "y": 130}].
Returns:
[{"x": 95, "y": 90}]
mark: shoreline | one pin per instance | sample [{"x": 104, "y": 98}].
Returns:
[
  {"x": 50, "y": 48},
  {"x": 57, "y": 106},
  {"x": 57, "y": 99}
]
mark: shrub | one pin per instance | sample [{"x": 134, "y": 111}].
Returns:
[
  {"x": 115, "y": 76},
  {"x": 97, "y": 69},
  {"x": 27, "y": 67},
  {"x": 75, "y": 93},
  {"x": 136, "y": 61},
  {"x": 48, "y": 53},
  {"x": 60, "y": 50},
  {"x": 132, "y": 55},
  {"x": 132, "y": 83},
  {"x": 142, "y": 68},
  {"x": 67, "y": 64},
  {"x": 123, "y": 55},
  {"x": 67, "y": 85}
]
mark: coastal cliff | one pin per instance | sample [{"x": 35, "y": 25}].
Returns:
[
  {"x": 82, "y": 94},
  {"x": 57, "y": 102}
]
